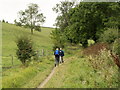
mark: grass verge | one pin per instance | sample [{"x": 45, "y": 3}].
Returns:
[{"x": 27, "y": 76}]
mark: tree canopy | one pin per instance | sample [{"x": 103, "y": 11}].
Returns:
[
  {"x": 88, "y": 20},
  {"x": 31, "y": 17}
]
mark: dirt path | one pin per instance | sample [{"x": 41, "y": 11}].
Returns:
[{"x": 47, "y": 79}]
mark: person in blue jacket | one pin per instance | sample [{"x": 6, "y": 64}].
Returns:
[
  {"x": 61, "y": 54},
  {"x": 56, "y": 53}
]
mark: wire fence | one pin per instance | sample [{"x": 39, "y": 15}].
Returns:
[{"x": 11, "y": 61}]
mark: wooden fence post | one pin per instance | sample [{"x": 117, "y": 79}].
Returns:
[
  {"x": 42, "y": 52},
  {"x": 12, "y": 59}
]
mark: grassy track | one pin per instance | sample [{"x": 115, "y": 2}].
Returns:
[{"x": 77, "y": 72}]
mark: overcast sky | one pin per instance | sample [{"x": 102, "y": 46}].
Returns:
[{"x": 10, "y": 8}]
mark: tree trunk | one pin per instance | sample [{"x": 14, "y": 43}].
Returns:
[{"x": 31, "y": 30}]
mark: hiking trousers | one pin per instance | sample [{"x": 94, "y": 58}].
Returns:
[
  {"x": 56, "y": 59},
  {"x": 61, "y": 59}
]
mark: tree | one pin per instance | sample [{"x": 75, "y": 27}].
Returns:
[
  {"x": 25, "y": 49},
  {"x": 85, "y": 21},
  {"x": 109, "y": 36},
  {"x": 3, "y": 21},
  {"x": 31, "y": 17},
  {"x": 62, "y": 9},
  {"x": 89, "y": 19},
  {"x": 17, "y": 23},
  {"x": 62, "y": 21}
]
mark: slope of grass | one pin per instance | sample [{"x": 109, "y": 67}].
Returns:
[
  {"x": 9, "y": 36},
  {"x": 37, "y": 71}
]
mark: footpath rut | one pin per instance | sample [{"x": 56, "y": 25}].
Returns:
[{"x": 47, "y": 79}]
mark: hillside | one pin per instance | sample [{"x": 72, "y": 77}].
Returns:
[
  {"x": 14, "y": 74},
  {"x": 11, "y": 32}
]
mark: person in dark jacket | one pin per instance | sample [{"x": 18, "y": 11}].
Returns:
[
  {"x": 61, "y": 54},
  {"x": 56, "y": 53}
]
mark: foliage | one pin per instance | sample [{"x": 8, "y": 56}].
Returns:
[
  {"x": 116, "y": 47},
  {"x": 31, "y": 17},
  {"x": 17, "y": 23},
  {"x": 58, "y": 39},
  {"x": 89, "y": 24},
  {"x": 62, "y": 9},
  {"x": 90, "y": 42},
  {"x": 25, "y": 49},
  {"x": 62, "y": 20},
  {"x": 105, "y": 66},
  {"x": 88, "y": 20},
  {"x": 109, "y": 36},
  {"x": 3, "y": 21},
  {"x": 95, "y": 49}
]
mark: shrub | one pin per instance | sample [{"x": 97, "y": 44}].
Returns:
[
  {"x": 104, "y": 66},
  {"x": 38, "y": 28},
  {"x": 95, "y": 49},
  {"x": 90, "y": 42},
  {"x": 116, "y": 47},
  {"x": 25, "y": 49},
  {"x": 59, "y": 39},
  {"x": 109, "y": 36}
]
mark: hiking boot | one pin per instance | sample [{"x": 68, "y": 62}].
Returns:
[{"x": 55, "y": 65}]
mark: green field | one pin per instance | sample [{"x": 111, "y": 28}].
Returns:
[
  {"x": 36, "y": 72},
  {"x": 9, "y": 36}
]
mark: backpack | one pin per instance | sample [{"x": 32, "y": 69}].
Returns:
[
  {"x": 61, "y": 53},
  {"x": 56, "y": 52}
]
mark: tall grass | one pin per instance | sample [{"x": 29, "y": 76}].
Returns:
[
  {"x": 104, "y": 65},
  {"x": 20, "y": 76},
  {"x": 27, "y": 76},
  {"x": 80, "y": 71}
]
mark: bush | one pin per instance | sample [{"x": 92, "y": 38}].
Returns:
[
  {"x": 25, "y": 49},
  {"x": 105, "y": 67},
  {"x": 91, "y": 42},
  {"x": 59, "y": 40},
  {"x": 95, "y": 49},
  {"x": 116, "y": 47},
  {"x": 109, "y": 36},
  {"x": 38, "y": 28}
]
